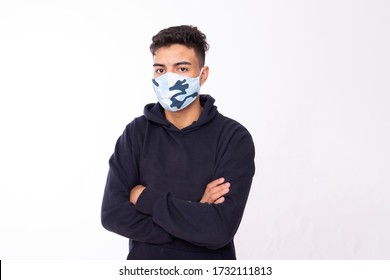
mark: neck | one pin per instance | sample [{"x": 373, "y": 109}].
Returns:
[{"x": 185, "y": 117}]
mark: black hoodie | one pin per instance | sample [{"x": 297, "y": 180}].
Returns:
[{"x": 175, "y": 166}]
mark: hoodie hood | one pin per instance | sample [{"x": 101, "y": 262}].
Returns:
[{"x": 154, "y": 112}]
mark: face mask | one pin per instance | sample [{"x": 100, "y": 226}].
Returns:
[{"x": 175, "y": 92}]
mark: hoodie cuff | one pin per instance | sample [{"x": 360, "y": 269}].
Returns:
[{"x": 147, "y": 200}]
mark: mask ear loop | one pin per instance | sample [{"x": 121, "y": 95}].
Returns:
[
  {"x": 199, "y": 77},
  {"x": 201, "y": 71}
]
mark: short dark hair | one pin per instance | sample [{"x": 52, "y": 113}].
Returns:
[{"x": 187, "y": 35}]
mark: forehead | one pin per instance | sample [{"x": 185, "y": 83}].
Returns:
[{"x": 174, "y": 53}]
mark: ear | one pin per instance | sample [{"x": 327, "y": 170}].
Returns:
[{"x": 204, "y": 75}]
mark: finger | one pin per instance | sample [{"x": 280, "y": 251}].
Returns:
[
  {"x": 215, "y": 196},
  {"x": 216, "y": 182},
  {"x": 220, "y": 188},
  {"x": 210, "y": 197},
  {"x": 219, "y": 200}
]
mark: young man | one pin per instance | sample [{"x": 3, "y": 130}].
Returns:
[{"x": 180, "y": 174}]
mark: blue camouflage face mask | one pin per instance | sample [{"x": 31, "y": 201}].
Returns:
[{"x": 175, "y": 92}]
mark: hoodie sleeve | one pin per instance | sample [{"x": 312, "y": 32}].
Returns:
[
  {"x": 208, "y": 225},
  {"x": 118, "y": 214}
]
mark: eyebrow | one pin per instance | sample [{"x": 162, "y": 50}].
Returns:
[{"x": 176, "y": 64}]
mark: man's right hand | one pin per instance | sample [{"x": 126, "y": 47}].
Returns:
[{"x": 215, "y": 191}]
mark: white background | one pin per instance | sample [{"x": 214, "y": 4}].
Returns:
[{"x": 309, "y": 79}]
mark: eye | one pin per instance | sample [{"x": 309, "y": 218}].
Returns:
[
  {"x": 159, "y": 71},
  {"x": 183, "y": 69}
]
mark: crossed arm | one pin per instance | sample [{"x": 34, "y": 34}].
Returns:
[
  {"x": 214, "y": 192},
  {"x": 148, "y": 215}
]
